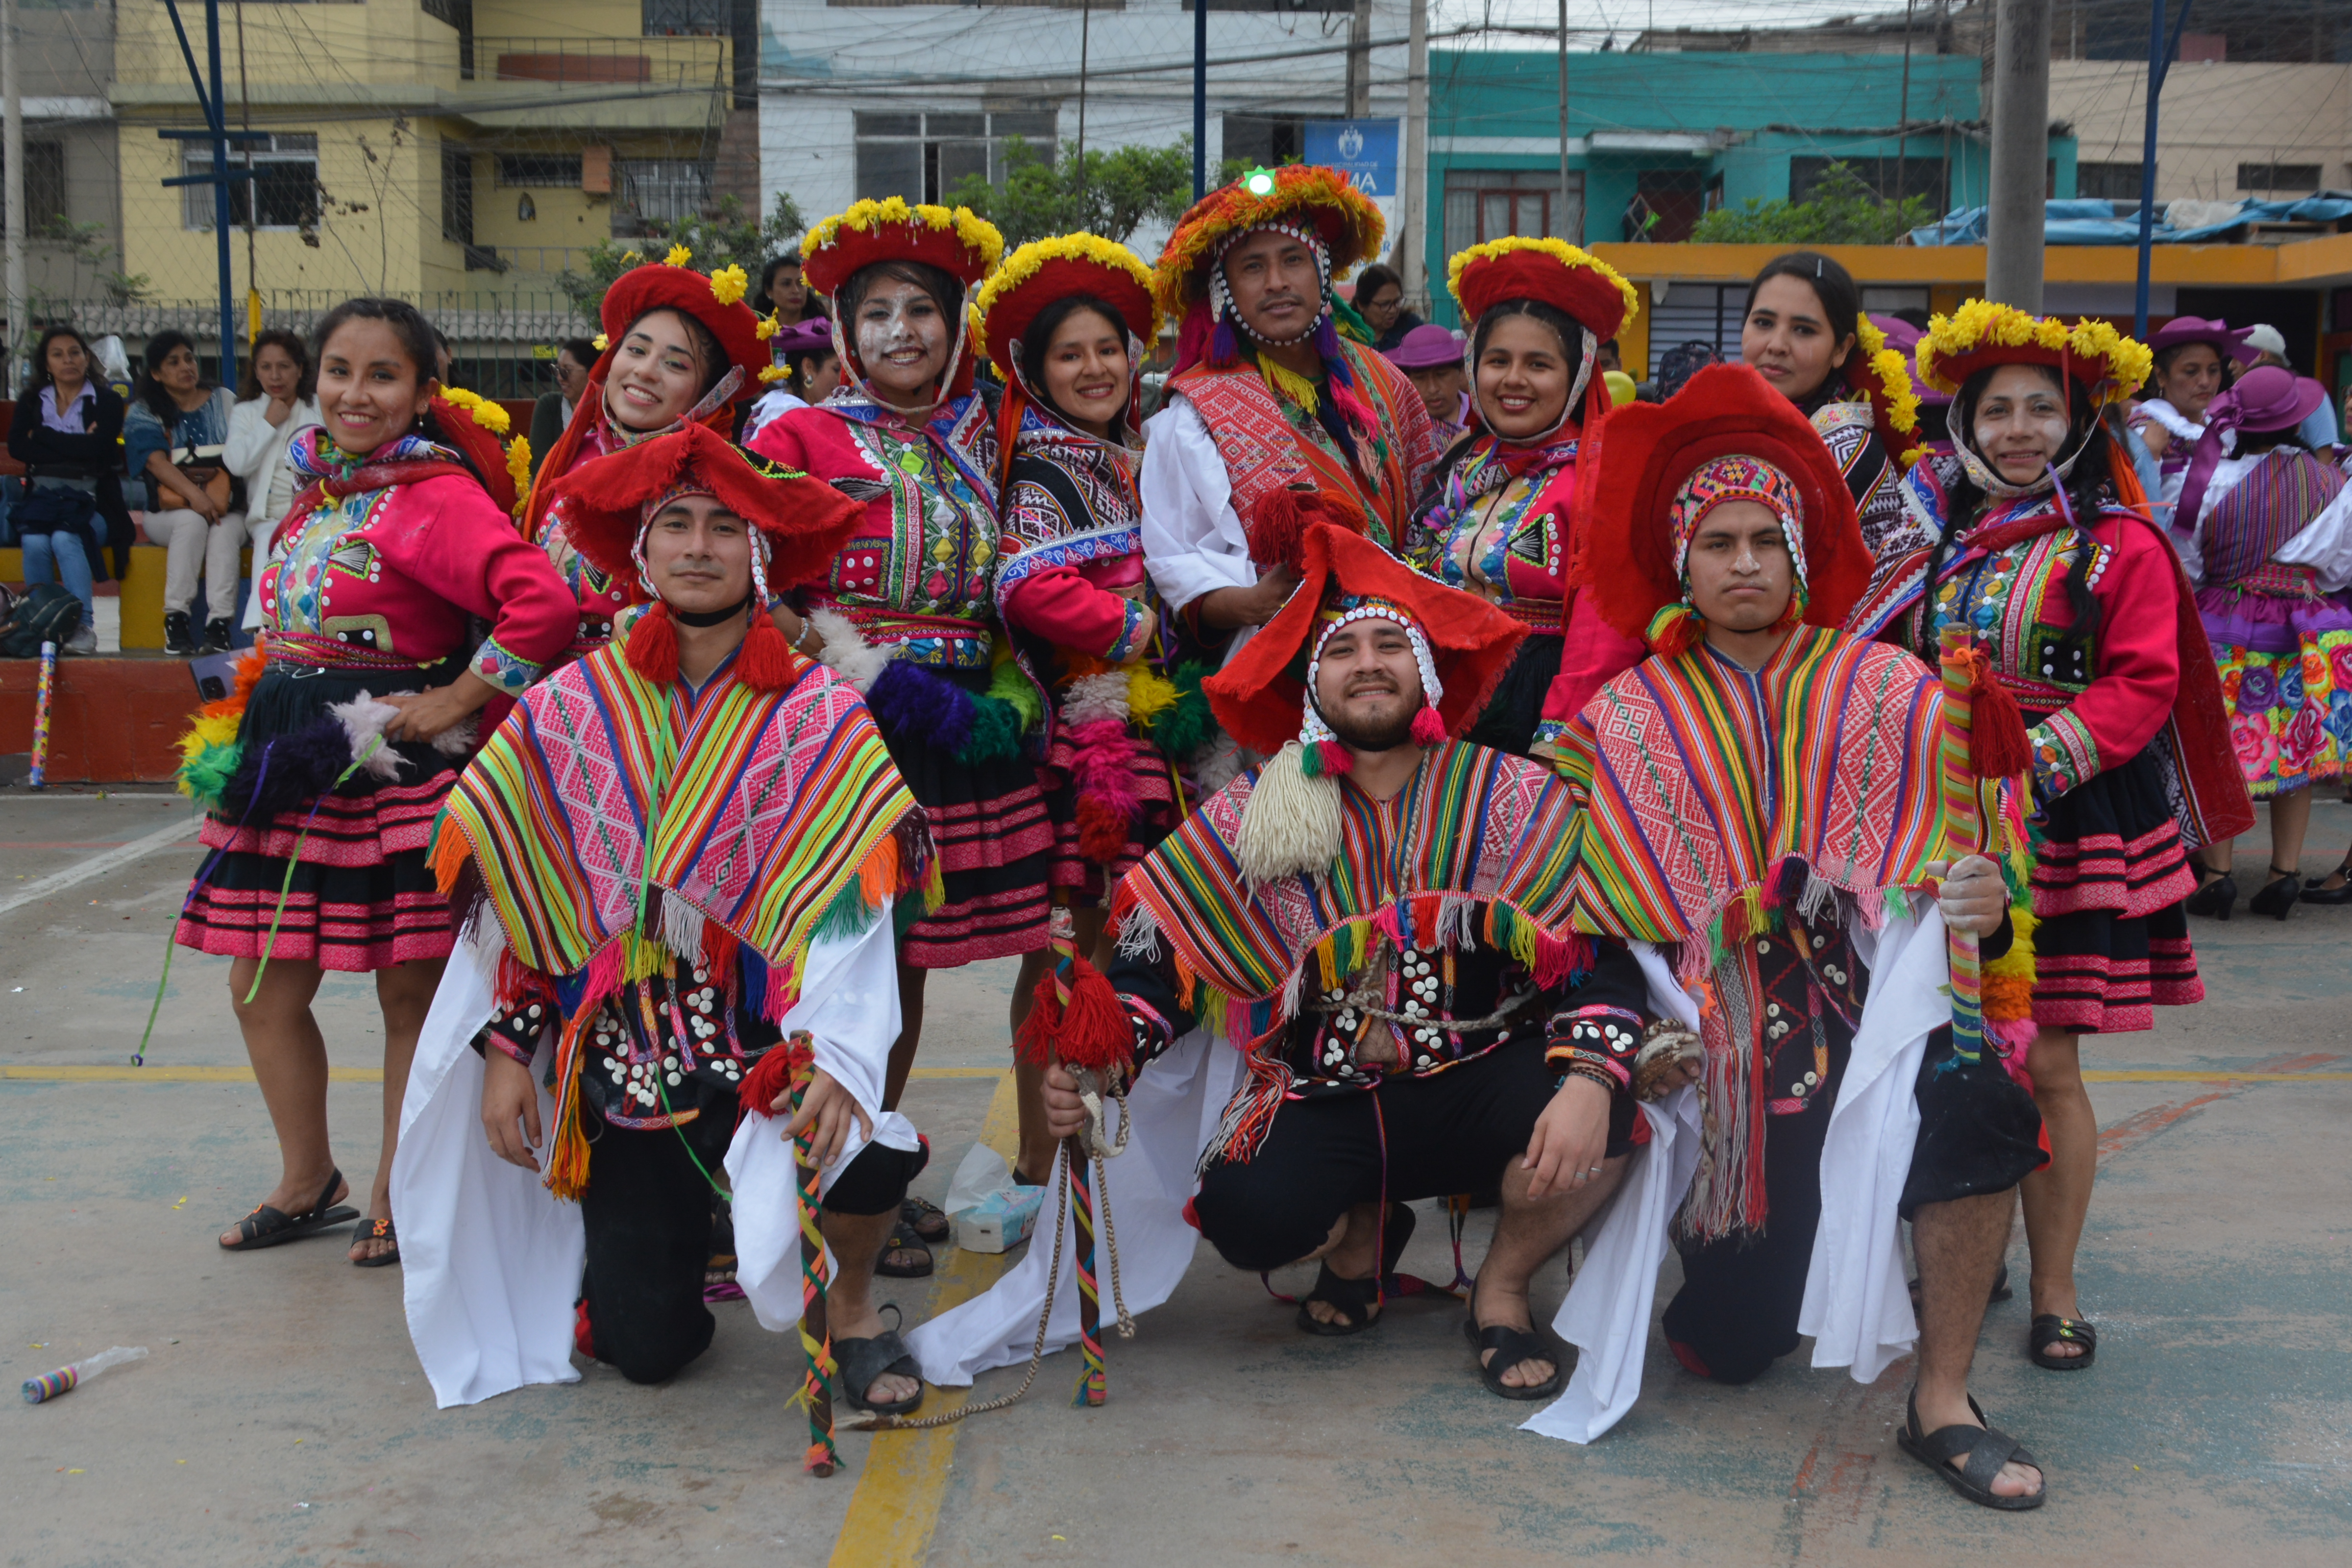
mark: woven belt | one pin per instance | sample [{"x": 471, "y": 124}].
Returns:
[
  {"x": 299, "y": 651},
  {"x": 2281, "y": 582},
  {"x": 1539, "y": 615}
]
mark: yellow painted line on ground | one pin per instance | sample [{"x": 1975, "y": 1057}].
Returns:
[
  {"x": 38, "y": 1074},
  {"x": 897, "y": 1504}
]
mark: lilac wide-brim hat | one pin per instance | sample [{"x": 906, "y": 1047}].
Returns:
[
  {"x": 2224, "y": 338},
  {"x": 1426, "y": 347}
]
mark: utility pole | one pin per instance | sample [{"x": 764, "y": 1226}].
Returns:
[
  {"x": 12, "y": 149},
  {"x": 1560, "y": 214},
  {"x": 1360, "y": 60},
  {"x": 218, "y": 132},
  {"x": 1412, "y": 199},
  {"x": 1200, "y": 98},
  {"x": 1085, "y": 31},
  {"x": 2159, "y": 65},
  {"x": 1902, "y": 115},
  {"x": 2021, "y": 153}
]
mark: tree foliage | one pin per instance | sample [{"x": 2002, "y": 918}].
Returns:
[
  {"x": 1109, "y": 194},
  {"x": 725, "y": 234},
  {"x": 1843, "y": 210}
]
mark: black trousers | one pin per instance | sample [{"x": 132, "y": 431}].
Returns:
[
  {"x": 1736, "y": 1312},
  {"x": 648, "y": 1215},
  {"x": 1409, "y": 1137}
]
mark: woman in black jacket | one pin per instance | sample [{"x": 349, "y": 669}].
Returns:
[{"x": 67, "y": 432}]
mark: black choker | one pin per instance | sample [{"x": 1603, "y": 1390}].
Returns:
[{"x": 710, "y": 617}]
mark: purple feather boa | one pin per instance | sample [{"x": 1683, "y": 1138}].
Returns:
[{"x": 911, "y": 703}]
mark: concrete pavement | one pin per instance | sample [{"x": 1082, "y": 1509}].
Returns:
[{"x": 281, "y": 1418}]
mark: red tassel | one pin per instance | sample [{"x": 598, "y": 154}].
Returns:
[
  {"x": 1428, "y": 728},
  {"x": 769, "y": 1079},
  {"x": 1337, "y": 759},
  {"x": 1095, "y": 1032},
  {"x": 1102, "y": 830},
  {"x": 765, "y": 661},
  {"x": 653, "y": 646},
  {"x": 1033, "y": 1041},
  {"x": 1998, "y": 747},
  {"x": 1278, "y": 528}
]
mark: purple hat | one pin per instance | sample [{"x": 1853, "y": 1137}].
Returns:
[
  {"x": 2264, "y": 398},
  {"x": 1904, "y": 339},
  {"x": 813, "y": 334},
  {"x": 1426, "y": 347},
  {"x": 2197, "y": 330}
]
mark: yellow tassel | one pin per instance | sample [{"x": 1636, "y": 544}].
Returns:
[
  {"x": 1148, "y": 694},
  {"x": 1291, "y": 384},
  {"x": 645, "y": 960}
]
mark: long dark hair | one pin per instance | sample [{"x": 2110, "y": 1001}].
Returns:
[
  {"x": 1841, "y": 299},
  {"x": 248, "y": 380},
  {"x": 1563, "y": 325},
  {"x": 2088, "y": 489},
  {"x": 1040, "y": 337},
  {"x": 762, "y": 301},
  {"x": 417, "y": 343},
  {"x": 150, "y": 391},
  {"x": 91, "y": 377}
]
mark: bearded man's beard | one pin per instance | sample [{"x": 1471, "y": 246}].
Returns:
[{"x": 1385, "y": 736}]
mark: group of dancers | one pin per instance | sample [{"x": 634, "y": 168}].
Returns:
[{"x": 1567, "y": 812}]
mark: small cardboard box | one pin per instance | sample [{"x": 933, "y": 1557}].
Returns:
[{"x": 1001, "y": 1222}]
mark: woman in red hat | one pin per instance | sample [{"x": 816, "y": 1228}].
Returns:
[
  {"x": 2271, "y": 552},
  {"x": 1067, "y": 321},
  {"x": 2045, "y": 549},
  {"x": 906, "y": 612},
  {"x": 679, "y": 348},
  {"x": 350, "y": 724},
  {"x": 1494, "y": 521},
  {"x": 1804, "y": 333}
]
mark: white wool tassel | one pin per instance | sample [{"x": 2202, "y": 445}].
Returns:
[
  {"x": 681, "y": 927},
  {"x": 458, "y": 739},
  {"x": 1290, "y": 824},
  {"x": 848, "y": 655},
  {"x": 1094, "y": 698},
  {"x": 1222, "y": 762},
  {"x": 1138, "y": 935},
  {"x": 363, "y": 719}
]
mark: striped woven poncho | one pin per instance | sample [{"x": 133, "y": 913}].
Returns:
[{"x": 617, "y": 829}]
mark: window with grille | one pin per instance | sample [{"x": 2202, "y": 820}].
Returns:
[
  {"x": 2299, "y": 177},
  {"x": 1891, "y": 179},
  {"x": 921, "y": 156},
  {"x": 688, "y": 18},
  {"x": 540, "y": 170},
  {"x": 45, "y": 186},
  {"x": 283, "y": 193},
  {"x": 456, "y": 193},
  {"x": 2107, "y": 182},
  {"x": 1493, "y": 204},
  {"x": 657, "y": 190}
]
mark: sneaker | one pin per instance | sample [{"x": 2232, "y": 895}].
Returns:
[
  {"x": 219, "y": 632},
  {"x": 82, "y": 641},
  {"x": 178, "y": 636}
]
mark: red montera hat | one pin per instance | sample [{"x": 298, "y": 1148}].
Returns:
[
  {"x": 473, "y": 424},
  {"x": 959, "y": 242},
  {"x": 1631, "y": 470},
  {"x": 1589, "y": 291},
  {"x": 1260, "y": 697},
  {"x": 716, "y": 300}
]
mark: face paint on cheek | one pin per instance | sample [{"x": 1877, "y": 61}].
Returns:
[{"x": 898, "y": 329}]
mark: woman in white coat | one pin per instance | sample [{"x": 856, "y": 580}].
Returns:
[{"x": 276, "y": 398}]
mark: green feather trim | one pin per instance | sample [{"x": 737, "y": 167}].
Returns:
[
  {"x": 203, "y": 776},
  {"x": 1010, "y": 683},
  {"x": 847, "y": 916},
  {"x": 1187, "y": 725},
  {"x": 996, "y": 729}
]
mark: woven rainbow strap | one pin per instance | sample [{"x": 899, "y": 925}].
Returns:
[
  {"x": 817, "y": 1341},
  {"x": 1962, "y": 836},
  {"x": 1092, "y": 1388}
]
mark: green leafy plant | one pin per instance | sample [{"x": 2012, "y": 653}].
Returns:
[
  {"x": 1843, "y": 210},
  {"x": 729, "y": 235},
  {"x": 1109, "y": 194}
]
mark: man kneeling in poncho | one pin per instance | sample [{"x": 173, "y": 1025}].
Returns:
[
  {"x": 1762, "y": 797},
  {"x": 1377, "y": 920},
  {"x": 688, "y": 843}
]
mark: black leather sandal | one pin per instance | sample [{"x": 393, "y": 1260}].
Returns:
[
  {"x": 1988, "y": 1449},
  {"x": 859, "y": 1361},
  {"x": 376, "y": 1230},
  {"x": 905, "y": 1242},
  {"x": 1512, "y": 1346},
  {"x": 266, "y": 1226},
  {"x": 2050, "y": 1329},
  {"x": 1355, "y": 1298}
]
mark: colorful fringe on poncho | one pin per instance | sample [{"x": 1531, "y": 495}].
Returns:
[
  {"x": 1475, "y": 848},
  {"x": 777, "y": 818}
]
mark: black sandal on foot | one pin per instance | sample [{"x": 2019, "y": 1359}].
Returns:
[
  {"x": 925, "y": 1218},
  {"x": 266, "y": 1226},
  {"x": 904, "y": 1239},
  {"x": 376, "y": 1230},
  {"x": 1512, "y": 1346},
  {"x": 1355, "y": 1298},
  {"x": 2050, "y": 1329},
  {"x": 860, "y": 1361},
  {"x": 1988, "y": 1449}
]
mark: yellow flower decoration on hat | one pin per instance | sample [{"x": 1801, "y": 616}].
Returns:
[
  {"x": 974, "y": 233},
  {"x": 728, "y": 284},
  {"x": 601, "y": 342},
  {"x": 519, "y": 470},
  {"x": 1558, "y": 250},
  {"x": 483, "y": 412},
  {"x": 2122, "y": 363},
  {"x": 774, "y": 373},
  {"x": 1891, "y": 393},
  {"x": 679, "y": 256},
  {"x": 767, "y": 326}
]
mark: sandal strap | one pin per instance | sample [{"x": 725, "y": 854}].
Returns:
[
  {"x": 1512, "y": 1346},
  {"x": 2048, "y": 1330},
  {"x": 1354, "y": 1297}
]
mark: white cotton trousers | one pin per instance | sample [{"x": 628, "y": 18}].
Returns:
[{"x": 195, "y": 550}]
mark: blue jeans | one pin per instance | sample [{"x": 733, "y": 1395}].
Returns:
[{"x": 58, "y": 557}]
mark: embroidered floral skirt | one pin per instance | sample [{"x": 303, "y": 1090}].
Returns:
[
  {"x": 2286, "y": 675},
  {"x": 2109, "y": 880},
  {"x": 361, "y": 896},
  {"x": 994, "y": 842}
]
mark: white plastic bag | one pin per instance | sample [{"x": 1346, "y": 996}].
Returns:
[{"x": 984, "y": 1173}]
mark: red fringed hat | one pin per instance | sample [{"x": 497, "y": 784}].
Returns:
[
  {"x": 1260, "y": 697},
  {"x": 716, "y": 300},
  {"x": 1350, "y": 225},
  {"x": 959, "y": 242},
  {"x": 1586, "y": 289},
  {"x": 1635, "y": 466},
  {"x": 608, "y": 502}
]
